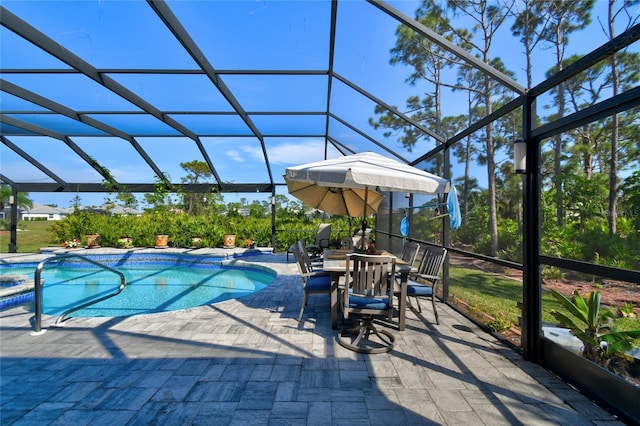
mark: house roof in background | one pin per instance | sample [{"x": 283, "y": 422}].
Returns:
[{"x": 44, "y": 209}]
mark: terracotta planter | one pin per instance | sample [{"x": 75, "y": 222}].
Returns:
[
  {"x": 93, "y": 240},
  {"x": 229, "y": 241},
  {"x": 162, "y": 241}
]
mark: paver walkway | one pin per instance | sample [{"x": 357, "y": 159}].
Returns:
[{"x": 249, "y": 362}]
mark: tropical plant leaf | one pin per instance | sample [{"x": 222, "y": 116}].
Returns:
[
  {"x": 630, "y": 334},
  {"x": 586, "y": 338},
  {"x": 569, "y": 305},
  {"x": 608, "y": 315},
  {"x": 584, "y": 306},
  {"x": 620, "y": 341},
  {"x": 593, "y": 311},
  {"x": 595, "y": 319},
  {"x": 618, "y": 346},
  {"x": 565, "y": 320}
]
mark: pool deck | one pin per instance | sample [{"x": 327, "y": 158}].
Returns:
[{"x": 249, "y": 362}]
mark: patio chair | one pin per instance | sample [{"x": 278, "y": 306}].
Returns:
[
  {"x": 409, "y": 255},
  {"x": 368, "y": 296},
  {"x": 410, "y": 252},
  {"x": 322, "y": 241},
  {"x": 312, "y": 263},
  {"x": 313, "y": 282},
  {"x": 428, "y": 271}
]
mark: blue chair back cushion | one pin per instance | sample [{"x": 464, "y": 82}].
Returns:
[{"x": 320, "y": 282}]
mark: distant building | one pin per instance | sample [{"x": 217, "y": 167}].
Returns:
[{"x": 42, "y": 212}]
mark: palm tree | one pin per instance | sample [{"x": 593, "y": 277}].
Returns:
[{"x": 22, "y": 199}]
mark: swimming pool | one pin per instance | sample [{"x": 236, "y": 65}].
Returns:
[{"x": 155, "y": 283}]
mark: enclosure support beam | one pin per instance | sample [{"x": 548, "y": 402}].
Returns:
[
  {"x": 13, "y": 237},
  {"x": 532, "y": 292}
]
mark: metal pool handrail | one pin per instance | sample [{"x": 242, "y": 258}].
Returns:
[{"x": 62, "y": 317}]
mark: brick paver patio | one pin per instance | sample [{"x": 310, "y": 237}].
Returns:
[{"x": 248, "y": 361}]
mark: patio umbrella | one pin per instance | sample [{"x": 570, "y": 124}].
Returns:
[
  {"x": 367, "y": 171},
  {"x": 335, "y": 200}
]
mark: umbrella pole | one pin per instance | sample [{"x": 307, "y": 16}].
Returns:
[{"x": 364, "y": 219}]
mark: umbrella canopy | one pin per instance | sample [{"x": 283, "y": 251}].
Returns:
[
  {"x": 335, "y": 200},
  {"x": 368, "y": 170}
]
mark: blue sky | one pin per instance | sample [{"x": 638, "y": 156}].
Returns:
[{"x": 233, "y": 35}]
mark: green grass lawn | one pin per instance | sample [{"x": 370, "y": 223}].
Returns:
[
  {"x": 497, "y": 296},
  {"x": 493, "y": 294},
  {"x": 32, "y": 235}
]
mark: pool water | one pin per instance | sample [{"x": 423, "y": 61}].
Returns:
[{"x": 149, "y": 289}]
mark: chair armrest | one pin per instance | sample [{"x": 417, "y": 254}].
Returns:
[{"x": 428, "y": 277}]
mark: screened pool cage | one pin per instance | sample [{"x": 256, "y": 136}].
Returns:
[{"x": 119, "y": 94}]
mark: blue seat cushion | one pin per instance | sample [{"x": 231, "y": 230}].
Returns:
[
  {"x": 319, "y": 283},
  {"x": 414, "y": 288},
  {"x": 356, "y": 302}
]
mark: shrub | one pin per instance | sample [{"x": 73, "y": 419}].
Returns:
[{"x": 591, "y": 324}]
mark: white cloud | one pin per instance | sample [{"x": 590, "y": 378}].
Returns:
[
  {"x": 287, "y": 153},
  {"x": 236, "y": 156},
  {"x": 301, "y": 152},
  {"x": 253, "y": 153}
]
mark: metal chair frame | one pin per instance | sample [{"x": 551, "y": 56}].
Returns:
[
  {"x": 429, "y": 270},
  {"x": 313, "y": 282}
]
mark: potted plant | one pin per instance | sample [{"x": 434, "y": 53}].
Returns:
[
  {"x": 229, "y": 239},
  {"x": 162, "y": 240},
  {"x": 249, "y": 243},
  {"x": 161, "y": 224},
  {"x": 124, "y": 242},
  {"x": 93, "y": 240},
  {"x": 195, "y": 229}
]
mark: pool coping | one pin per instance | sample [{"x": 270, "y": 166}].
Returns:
[{"x": 46, "y": 252}]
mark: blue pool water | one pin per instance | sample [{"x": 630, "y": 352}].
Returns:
[{"x": 161, "y": 283}]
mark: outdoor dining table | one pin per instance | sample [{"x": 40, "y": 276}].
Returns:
[{"x": 335, "y": 262}]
